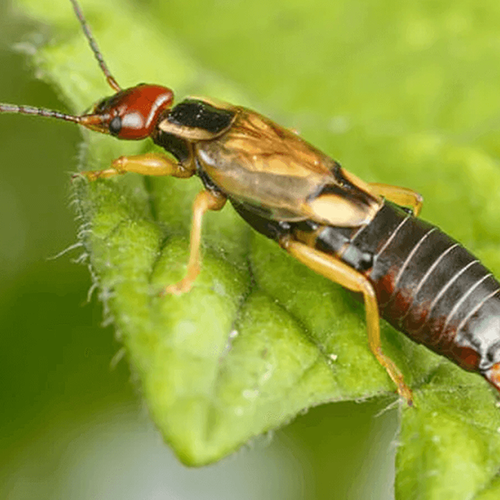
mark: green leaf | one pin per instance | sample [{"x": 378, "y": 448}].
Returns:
[{"x": 401, "y": 93}]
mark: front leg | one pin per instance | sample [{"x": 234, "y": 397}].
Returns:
[
  {"x": 205, "y": 201},
  {"x": 145, "y": 164}
]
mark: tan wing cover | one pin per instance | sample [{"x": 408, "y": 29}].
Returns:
[{"x": 261, "y": 164}]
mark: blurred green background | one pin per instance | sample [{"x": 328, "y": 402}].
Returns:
[{"x": 72, "y": 424}]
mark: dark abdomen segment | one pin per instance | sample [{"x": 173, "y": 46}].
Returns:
[{"x": 431, "y": 288}]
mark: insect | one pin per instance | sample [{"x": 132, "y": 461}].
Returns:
[{"x": 354, "y": 233}]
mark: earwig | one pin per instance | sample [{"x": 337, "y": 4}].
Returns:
[{"x": 365, "y": 236}]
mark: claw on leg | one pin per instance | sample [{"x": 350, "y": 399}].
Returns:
[
  {"x": 93, "y": 175},
  {"x": 184, "y": 285}
]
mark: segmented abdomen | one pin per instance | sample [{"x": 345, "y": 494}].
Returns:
[{"x": 431, "y": 288}]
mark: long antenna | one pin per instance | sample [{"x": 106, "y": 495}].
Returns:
[
  {"x": 30, "y": 110},
  {"x": 93, "y": 45},
  {"x": 90, "y": 120}
]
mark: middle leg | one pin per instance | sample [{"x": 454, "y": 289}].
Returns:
[{"x": 205, "y": 201}]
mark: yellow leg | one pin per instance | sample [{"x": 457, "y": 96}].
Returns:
[
  {"x": 145, "y": 164},
  {"x": 339, "y": 272},
  {"x": 401, "y": 196},
  {"x": 204, "y": 202}
]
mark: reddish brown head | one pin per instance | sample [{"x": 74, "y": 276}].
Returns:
[{"x": 130, "y": 114}]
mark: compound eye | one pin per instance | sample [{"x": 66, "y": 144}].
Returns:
[{"x": 115, "y": 125}]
